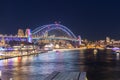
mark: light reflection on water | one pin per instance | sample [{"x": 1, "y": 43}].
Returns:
[{"x": 100, "y": 66}]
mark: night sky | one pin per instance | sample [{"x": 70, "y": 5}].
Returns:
[{"x": 93, "y": 20}]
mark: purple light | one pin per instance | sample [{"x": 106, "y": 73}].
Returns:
[
  {"x": 10, "y": 49},
  {"x": 14, "y": 39},
  {"x": 58, "y": 52},
  {"x": 29, "y": 36},
  {"x": 115, "y": 48},
  {"x": 5, "y": 49}
]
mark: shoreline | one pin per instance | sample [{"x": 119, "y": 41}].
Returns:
[
  {"x": 22, "y": 55},
  {"x": 8, "y": 57}
]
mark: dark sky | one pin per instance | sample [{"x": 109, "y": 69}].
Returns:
[{"x": 91, "y": 19}]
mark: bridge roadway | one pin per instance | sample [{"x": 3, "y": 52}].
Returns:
[{"x": 54, "y": 38}]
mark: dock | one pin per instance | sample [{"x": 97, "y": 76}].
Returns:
[{"x": 66, "y": 76}]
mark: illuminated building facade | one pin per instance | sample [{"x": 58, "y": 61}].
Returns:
[{"x": 20, "y": 33}]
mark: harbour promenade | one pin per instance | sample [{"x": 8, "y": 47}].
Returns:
[
  {"x": 20, "y": 53},
  {"x": 12, "y": 54}
]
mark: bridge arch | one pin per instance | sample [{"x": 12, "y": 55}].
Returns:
[{"x": 42, "y": 29}]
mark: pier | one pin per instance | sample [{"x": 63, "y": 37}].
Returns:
[{"x": 66, "y": 76}]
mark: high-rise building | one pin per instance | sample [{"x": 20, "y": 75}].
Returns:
[
  {"x": 3, "y": 42},
  {"x": 26, "y": 32},
  {"x": 21, "y": 33},
  {"x": 45, "y": 34},
  {"x": 107, "y": 39}
]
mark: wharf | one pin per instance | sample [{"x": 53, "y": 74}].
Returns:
[{"x": 66, "y": 76}]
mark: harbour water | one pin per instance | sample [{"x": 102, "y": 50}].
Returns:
[{"x": 99, "y": 65}]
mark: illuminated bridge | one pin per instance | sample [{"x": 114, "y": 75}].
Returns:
[
  {"x": 49, "y": 32},
  {"x": 53, "y": 32}
]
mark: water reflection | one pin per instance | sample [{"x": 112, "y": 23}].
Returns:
[
  {"x": 117, "y": 56},
  {"x": 100, "y": 66}
]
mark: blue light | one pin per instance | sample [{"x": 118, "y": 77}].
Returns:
[{"x": 53, "y": 26}]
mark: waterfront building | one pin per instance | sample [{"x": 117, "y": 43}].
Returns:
[{"x": 2, "y": 43}]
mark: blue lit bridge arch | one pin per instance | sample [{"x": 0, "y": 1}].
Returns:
[{"x": 39, "y": 33}]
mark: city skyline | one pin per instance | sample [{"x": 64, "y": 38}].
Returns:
[{"x": 93, "y": 20}]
